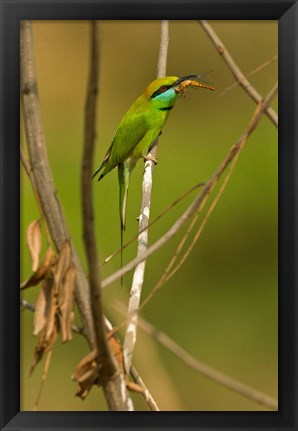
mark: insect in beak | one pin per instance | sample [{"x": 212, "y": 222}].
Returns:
[{"x": 183, "y": 83}]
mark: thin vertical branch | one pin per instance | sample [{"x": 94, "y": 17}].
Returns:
[
  {"x": 138, "y": 277},
  {"x": 42, "y": 174},
  {"x": 113, "y": 380},
  {"x": 163, "y": 49}
]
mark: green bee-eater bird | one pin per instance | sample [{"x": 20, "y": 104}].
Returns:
[{"x": 140, "y": 127}]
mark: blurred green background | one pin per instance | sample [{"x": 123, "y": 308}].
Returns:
[{"x": 222, "y": 305}]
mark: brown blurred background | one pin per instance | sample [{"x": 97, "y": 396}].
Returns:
[{"x": 222, "y": 305}]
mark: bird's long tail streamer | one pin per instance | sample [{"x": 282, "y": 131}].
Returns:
[{"x": 123, "y": 178}]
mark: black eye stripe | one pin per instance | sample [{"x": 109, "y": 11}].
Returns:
[{"x": 162, "y": 89}]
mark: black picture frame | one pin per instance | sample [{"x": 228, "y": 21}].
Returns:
[{"x": 11, "y": 14}]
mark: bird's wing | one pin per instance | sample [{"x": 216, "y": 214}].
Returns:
[{"x": 129, "y": 133}]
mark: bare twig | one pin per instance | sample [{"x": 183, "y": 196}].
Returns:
[
  {"x": 160, "y": 215},
  {"x": 113, "y": 380},
  {"x": 27, "y": 306},
  {"x": 243, "y": 81},
  {"x": 201, "y": 367},
  {"x": 138, "y": 277},
  {"x": 146, "y": 394},
  {"x": 163, "y": 49},
  {"x": 198, "y": 201},
  {"x": 257, "y": 69},
  {"x": 43, "y": 378},
  {"x": 41, "y": 171},
  {"x": 165, "y": 276}
]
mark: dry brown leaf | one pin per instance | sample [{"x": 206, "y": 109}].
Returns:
[
  {"x": 84, "y": 364},
  {"x": 43, "y": 345},
  {"x": 51, "y": 320},
  {"x": 34, "y": 240},
  {"x": 84, "y": 385},
  {"x": 86, "y": 374},
  {"x": 38, "y": 353},
  {"x": 116, "y": 349},
  {"x": 43, "y": 271},
  {"x": 54, "y": 306},
  {"x": 63, "y": 263},
  {"x": 134, "y": 387},
  {"x": 51, "y": 340},
  {"x": 66, "y": 303},
  {"x": 42, "y": 306}
]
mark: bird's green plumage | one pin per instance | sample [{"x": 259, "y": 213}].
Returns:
[
  {"x": 136, "y": 134},
  {"x": 140, "y": 126}
]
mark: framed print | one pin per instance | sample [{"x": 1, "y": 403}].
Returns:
[{"x": 148, "y": 215}]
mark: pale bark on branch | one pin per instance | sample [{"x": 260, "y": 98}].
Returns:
[{"x": 139, "y": 273}]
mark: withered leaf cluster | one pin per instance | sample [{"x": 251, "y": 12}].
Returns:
[
  {"x": 55, "y": 300},
  {"x": 88, "y": 373},
  {"x": 54, "y": 313}
]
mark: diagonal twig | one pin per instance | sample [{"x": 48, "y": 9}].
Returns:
[
  {"x": 28, "y": 306},
  {"x": 158, "y": 217},
  {"x": 257, "y": 69},
  {"x": 43, "y": 378},
  {"x": 146, "y": 394},
  {"x": 243, "y": 81}
]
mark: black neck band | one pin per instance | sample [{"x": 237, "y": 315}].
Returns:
[{"x": 168, "y": 108}]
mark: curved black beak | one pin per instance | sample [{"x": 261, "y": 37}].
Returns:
[{"x": 184, "y": 78}]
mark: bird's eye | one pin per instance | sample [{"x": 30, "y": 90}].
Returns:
[{"x": 163, "y": 88}]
